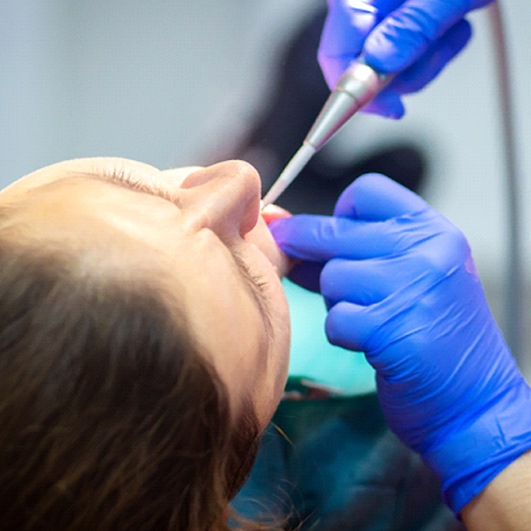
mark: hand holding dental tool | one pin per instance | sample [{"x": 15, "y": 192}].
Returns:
[
  {"x": 410, "y": 39},
  {"x": 401, "y": 286},
  {"x": 364, "y": 45}
]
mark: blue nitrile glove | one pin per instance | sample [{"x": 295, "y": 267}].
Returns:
[
  {"x": 412, "y": 38},
  {"x": 401, "y": 286}
]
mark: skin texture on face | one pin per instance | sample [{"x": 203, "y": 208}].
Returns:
[{"x": 197, "y": 230}]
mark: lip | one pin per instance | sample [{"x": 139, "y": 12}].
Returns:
[{"x": 273, "y": 212}]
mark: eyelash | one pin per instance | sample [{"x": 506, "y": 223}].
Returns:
[
  {"x": 119, "y": 176},
  {"x": 257, "y": 280},
  {"x": 260, "y": 283}
]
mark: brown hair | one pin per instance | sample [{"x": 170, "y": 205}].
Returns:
[{"x": 110, "y": 416}]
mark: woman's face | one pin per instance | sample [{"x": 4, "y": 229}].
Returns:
[{"x": 197, "y": 231}]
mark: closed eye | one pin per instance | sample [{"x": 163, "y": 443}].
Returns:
[
  {"x": 140, "y": 183},
  {"x": 133, "y": 181},
  {"x": 258, "y": 288}
]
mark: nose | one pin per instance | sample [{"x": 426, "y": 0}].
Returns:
[{"x": 224, "y": 197}]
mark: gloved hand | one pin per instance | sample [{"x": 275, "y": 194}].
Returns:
[
  {"x": 401, "y": 286},
  {"x": 414, "y": 39}
]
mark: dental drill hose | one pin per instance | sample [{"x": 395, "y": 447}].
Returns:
[{"x": 515, "y": 301}]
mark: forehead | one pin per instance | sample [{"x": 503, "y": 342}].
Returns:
[
  {"x": 78, "y": 203},
  {"x": 115, "y": 228},
  {"x": 102, "y": 227},
  {"x": 89, "y": 210}
]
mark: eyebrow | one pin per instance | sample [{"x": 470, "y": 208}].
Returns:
[{"x": 256, "y": 288}]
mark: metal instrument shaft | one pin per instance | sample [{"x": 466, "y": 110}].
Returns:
[{"x": 356, "y": 87}]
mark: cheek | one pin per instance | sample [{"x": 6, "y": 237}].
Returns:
[{"x": 262, "y": 238}]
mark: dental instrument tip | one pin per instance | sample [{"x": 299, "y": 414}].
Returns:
[
  {"x": 288, "y": 175},
  {"x": 357, "y": 86}
]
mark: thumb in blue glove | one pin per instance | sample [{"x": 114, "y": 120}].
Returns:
[
  {"x": 414, "y": 39},
  {"x": 401, "y": 286}
]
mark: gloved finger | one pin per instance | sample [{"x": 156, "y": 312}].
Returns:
[
  {"x": 371, "y": 198},
  {"x": 476, "y": 4},
  {"x": 388, "y": 103},
  {"x": 407, "y": 32},
  {"x": 320, "y": 238},
  {"x": 307, "y": 275},
  {"x": 365, "y": 282},
  {"x": 375, "y": 197},
  {"x": 437, "y": 56},
  {"x": 344, "y": 32},
  {"x": 350, "y": 326}
]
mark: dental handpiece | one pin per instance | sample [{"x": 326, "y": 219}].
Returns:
[{"x": 356, "y": 87}]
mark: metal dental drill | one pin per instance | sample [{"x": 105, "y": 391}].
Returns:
[{"x": 355, "y": 88}]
